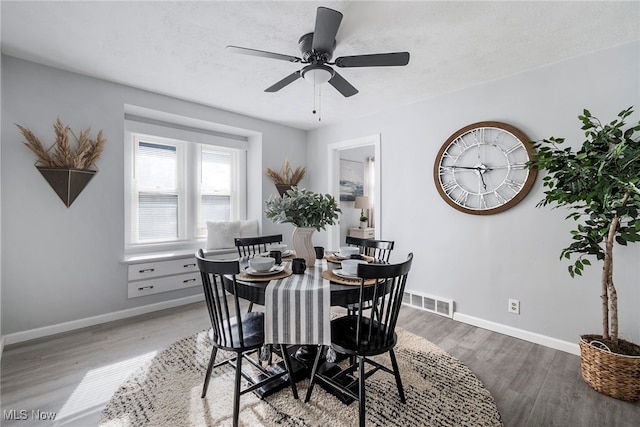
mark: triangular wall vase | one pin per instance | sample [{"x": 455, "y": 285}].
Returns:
[
  {"x": 283, "y": 188},
  {"x": 68, "y": 183}
]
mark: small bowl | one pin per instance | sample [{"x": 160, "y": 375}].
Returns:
[
  {"x": 262, "y": 264},
  {"x": 347, "y": 251},
  {"x": 350, "y": 266},
  {"x": 278, "y": 247}
]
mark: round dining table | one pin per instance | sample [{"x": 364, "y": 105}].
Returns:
[
  {"x": 303, "y": 356},
  {"x": 341, "y": 294}
]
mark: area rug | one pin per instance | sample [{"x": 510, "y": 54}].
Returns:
[{"x": 440, "y": 391}]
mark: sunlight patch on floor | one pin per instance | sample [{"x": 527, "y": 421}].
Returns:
[{"x": 98, "y": 385}]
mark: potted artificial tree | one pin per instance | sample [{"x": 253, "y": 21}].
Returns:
[
  {"x": 600, "y": 184},
  {"x": 67, "y": 167},
  {"x": 286, "y": 177},
  {"x": 308, "y": 212}
]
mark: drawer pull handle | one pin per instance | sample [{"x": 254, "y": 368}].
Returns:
[
  {"x": 145, "y": 287},
  {"x": 189, "y": 265},
  {"x": 147, "y": 270},
  {"x": 188, "y": 280}
]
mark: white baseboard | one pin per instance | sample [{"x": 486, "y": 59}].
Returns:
[
  {"x": 533, "y": 337},
  {"x": 95, "y": 320},
  {"x": 18, "y": 337}
]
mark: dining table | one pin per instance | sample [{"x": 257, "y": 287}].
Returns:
[
  {"x": 343, "y": 291},
  {"x": 327, "y": 289}
]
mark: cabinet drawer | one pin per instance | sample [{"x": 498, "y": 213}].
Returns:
[
  {"x": 164, "y": 284},
  {"x": 162, "y": 268}
]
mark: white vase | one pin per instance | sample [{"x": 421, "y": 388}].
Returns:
[
  {"x": 303, "y": 244},
  {"x": 363, "y": 224}
]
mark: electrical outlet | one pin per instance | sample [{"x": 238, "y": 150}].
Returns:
[{"x": 514, "y": 306}]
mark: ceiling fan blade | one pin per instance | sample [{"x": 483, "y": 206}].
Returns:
[
  {"x": 262, "y": 53},
  {"x": 284, "y": 82},
  {"x": 327, "y": 24},
  {"x": 342, "y": 86},
  {"x": 375, "y": 60}
]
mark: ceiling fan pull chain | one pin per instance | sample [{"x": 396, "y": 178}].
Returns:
[
  {"x": 320, "y": 103},
  {"x": 314, "y": 98},
  {"x": 319, "y": 109}
]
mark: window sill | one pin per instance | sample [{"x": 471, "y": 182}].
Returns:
[{"x": 170, "y": 255}]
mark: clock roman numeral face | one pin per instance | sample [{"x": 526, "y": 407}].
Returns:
[{"x": 482, "y": 168}]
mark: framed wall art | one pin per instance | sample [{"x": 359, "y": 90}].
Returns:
[{"x": 351, "y": 180}]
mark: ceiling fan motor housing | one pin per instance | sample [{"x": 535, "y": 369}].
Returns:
[{"x": 309, "y": 55}]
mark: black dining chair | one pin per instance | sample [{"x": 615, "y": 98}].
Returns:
[
  {"x": 250, "y": 246},
  {"x": 235, "y": 332},
  {"x": 367, "y": 333},
  {"x": 380, "y": 250}
]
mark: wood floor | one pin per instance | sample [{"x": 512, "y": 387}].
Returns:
[{"x": 74, "y": 374}]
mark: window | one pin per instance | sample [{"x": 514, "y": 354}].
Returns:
[{"x": 176, "y": 186}]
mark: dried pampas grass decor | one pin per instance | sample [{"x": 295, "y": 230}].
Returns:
[
  {"x": 62, "y": 154},
  {"x": 286, "y": 175}
]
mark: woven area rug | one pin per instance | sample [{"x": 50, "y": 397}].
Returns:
[{"x": 440, "y": 391}]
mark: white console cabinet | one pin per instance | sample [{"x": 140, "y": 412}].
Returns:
[
  {"x": 162, "y": 272},
  {"x": 162, "y": 276}
]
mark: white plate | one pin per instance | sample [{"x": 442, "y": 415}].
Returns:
[
  {"x": 274, "y": 270},
  {"x": 337, "y": 255},
  {"x": 340, "y": 273},
  {"x": 284, "y": 254}
]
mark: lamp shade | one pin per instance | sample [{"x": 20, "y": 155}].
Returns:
[{"x": 362, "y": 202}]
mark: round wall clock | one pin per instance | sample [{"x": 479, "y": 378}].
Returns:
[{"x": 481, "y": 169}]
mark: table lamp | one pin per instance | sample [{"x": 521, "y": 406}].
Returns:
[{"x": 362, "y": 203}]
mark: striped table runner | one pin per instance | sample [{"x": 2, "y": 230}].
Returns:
[{"x": 297, "y": 308}]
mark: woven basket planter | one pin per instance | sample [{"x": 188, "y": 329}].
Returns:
[{"x": 612, "y": 374}]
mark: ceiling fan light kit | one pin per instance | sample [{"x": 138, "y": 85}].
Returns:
[
  {"x": 317, "y": 73},
  {"x": 317, "y": 50}
]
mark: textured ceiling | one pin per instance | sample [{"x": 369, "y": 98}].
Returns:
[{"x": 178, "y": 48}]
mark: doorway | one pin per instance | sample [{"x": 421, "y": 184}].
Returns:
[{"x": 343, "y": 150}]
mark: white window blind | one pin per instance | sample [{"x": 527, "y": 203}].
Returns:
[
  {"x": 215, "y": 187},
  {"x": 157, "y": 185}
]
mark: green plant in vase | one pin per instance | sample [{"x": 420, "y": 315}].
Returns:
[{"x": 308, "y": 212}]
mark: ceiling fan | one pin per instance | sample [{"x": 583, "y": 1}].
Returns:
[{"x": 317, "y": 50}]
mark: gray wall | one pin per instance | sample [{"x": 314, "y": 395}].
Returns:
[
  {"x": 63, "y": 264},
  {"x": 1, "y": 335},
  {"x": 479, "y": 261},
  {"x": 482, "y": 261}
]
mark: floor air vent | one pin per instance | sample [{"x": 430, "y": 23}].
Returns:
[{"x": 437, "y": 305}]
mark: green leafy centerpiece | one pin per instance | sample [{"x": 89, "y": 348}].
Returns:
[
  {"x": 600, "y": 184},
  {"x": 308, "y": 212}
]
